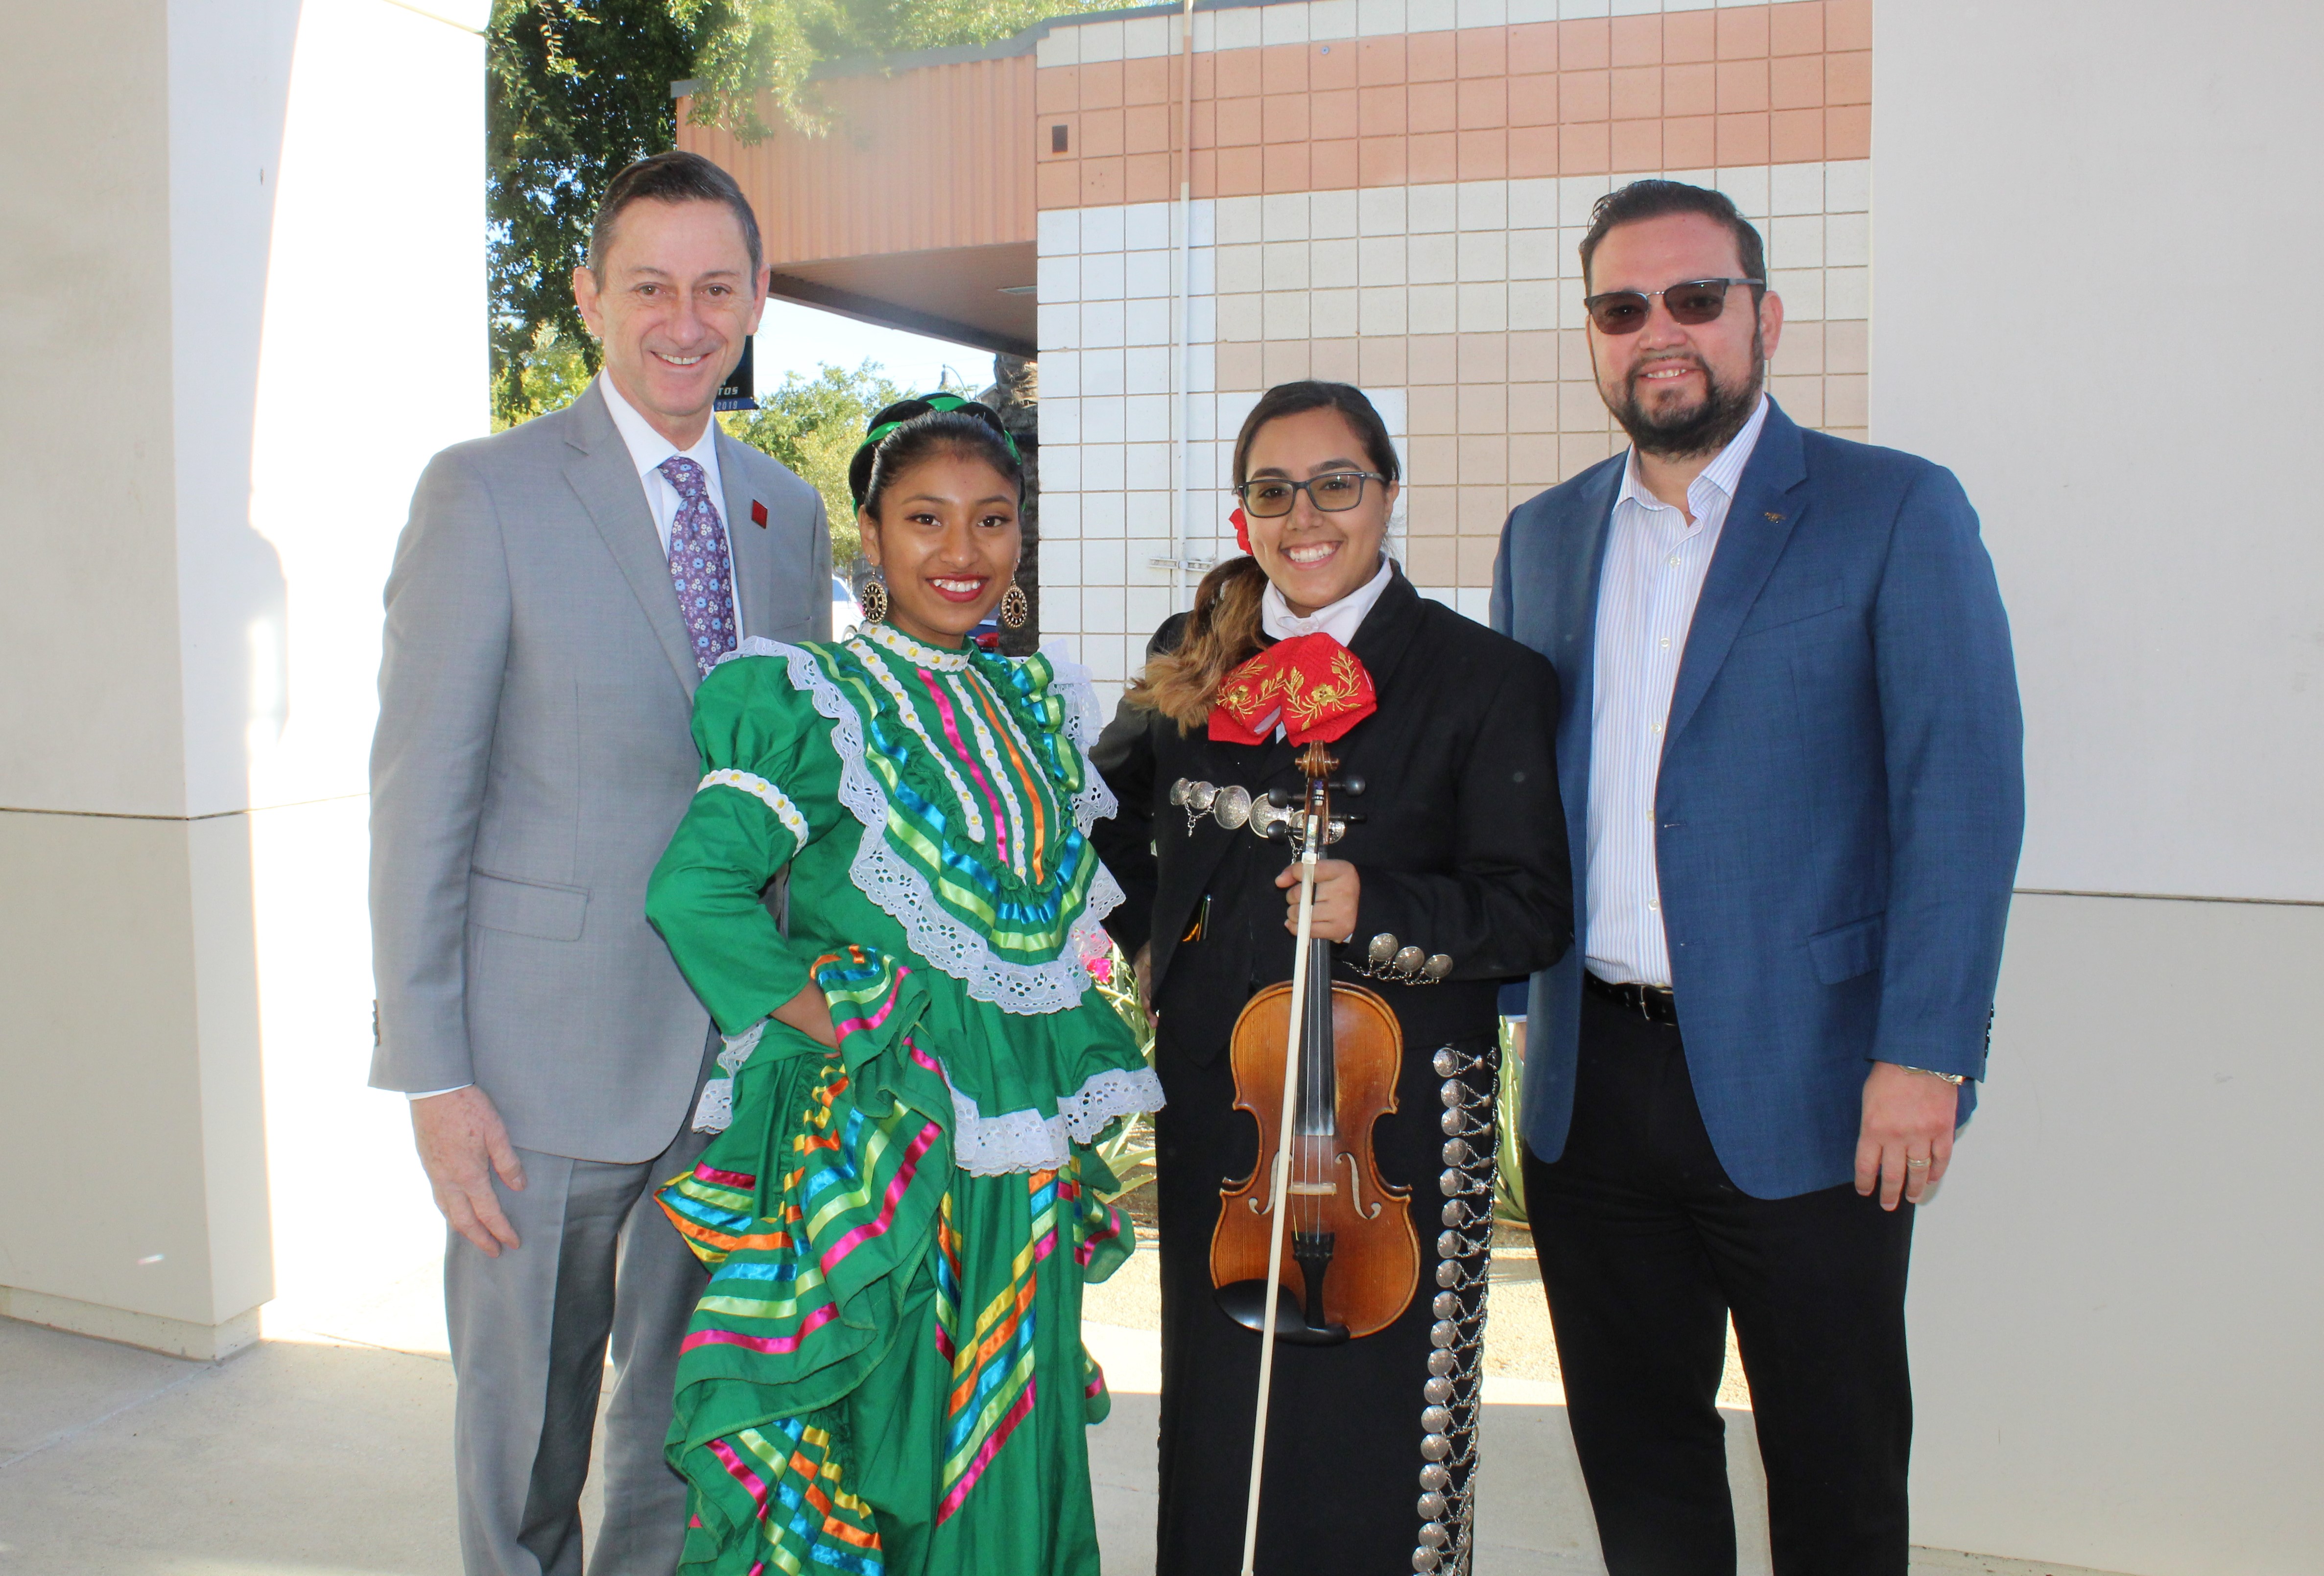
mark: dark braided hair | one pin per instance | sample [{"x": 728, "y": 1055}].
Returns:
[{"x": 910, "y": 431}]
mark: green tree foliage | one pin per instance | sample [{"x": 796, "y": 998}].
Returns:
[
  {"x": 815, "y": 424},
  {"x": 547, "y": 374},
  {"x": 577, "y": 89},
  {"x": 747, "y": 47}
]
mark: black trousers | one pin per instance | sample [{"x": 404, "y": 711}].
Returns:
[{"x": 1646, "y": 1248}]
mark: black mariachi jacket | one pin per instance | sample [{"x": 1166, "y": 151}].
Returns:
[{"x": 1461, "y": 850}]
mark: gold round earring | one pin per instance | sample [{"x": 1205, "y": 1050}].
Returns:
[
  {"x": 874, "y": 598},
  {"x": 1016, "y": 607}
]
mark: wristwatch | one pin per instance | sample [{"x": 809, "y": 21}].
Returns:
[{"x": 1955, "y": 1078}]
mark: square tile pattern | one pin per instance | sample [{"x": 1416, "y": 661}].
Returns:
[
  {"x": 1456, "y": 305},
  {"x": 1333, "y": 95}
]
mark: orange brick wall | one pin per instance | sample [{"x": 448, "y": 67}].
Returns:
[{"x": 1776, "y": 84}]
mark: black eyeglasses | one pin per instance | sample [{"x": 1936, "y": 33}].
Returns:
[
  {"x": 1698, "y": 301},
  {"x": 1273, "y": 495}
]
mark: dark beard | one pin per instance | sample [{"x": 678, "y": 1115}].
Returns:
[{"x": 1690, "y": 433}]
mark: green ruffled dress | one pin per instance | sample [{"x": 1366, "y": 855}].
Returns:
[{"x": 885, "y": 1377}]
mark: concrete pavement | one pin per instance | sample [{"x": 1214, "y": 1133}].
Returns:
[{"x": 324, "y": 1451}]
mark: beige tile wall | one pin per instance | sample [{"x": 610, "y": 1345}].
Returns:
[{"x": 1457, "y": 306}]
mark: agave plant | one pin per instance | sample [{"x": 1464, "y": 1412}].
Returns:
[
  {"x": 1132, "y": 1145},
  {"x": 1509, "y": 1182}
]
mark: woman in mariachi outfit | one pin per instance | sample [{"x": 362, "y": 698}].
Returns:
[
  {"x": 885, "y": 1377},
  {"x": 1460, "y": 854}
]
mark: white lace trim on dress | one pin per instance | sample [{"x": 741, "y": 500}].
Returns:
[
  {"x": 912, "y": 650},
  {"x": 766, "y": 793},
  {"x": 1025, "y": 1140},
  {"x": 901, "y": 891},
  {"x": 1085, "y": 717},
  {"x": 715, "y": 1111}
]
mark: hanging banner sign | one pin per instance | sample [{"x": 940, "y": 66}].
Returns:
[{"x": 738, "y": 392}]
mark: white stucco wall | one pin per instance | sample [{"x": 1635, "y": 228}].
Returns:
[
  {"x": 2113, "y": 1306},
  {"x": 244, "y": 242}
]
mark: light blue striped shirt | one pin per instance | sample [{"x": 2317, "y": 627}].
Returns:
[{"x": 1655, "y": 563}]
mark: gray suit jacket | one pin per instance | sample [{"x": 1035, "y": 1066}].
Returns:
[{"x": 534, "y": 756}]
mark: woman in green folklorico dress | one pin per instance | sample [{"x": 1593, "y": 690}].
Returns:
[{"x": 885, "y": 1377}]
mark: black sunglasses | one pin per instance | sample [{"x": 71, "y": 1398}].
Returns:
[
  {"x": 1272, "y": 495},
  {"x": 1698, "y": 301}
]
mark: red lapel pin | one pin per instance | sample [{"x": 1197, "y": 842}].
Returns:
[{"x": 757, "y": 515}]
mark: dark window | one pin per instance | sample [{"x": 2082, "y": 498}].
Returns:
[{"x": 1056, "y": 139}]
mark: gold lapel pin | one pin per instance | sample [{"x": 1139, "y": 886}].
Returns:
[{"x": 1773, "y": 516}]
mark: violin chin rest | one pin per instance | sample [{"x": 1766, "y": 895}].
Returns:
[{"x": 1245, "y": 1302}]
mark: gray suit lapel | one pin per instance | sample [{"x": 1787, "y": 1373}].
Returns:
[
  {"x": 605, "y": 478},
  {"x": 749, "y": 541},
  {"x": 1758, "y": 526}
]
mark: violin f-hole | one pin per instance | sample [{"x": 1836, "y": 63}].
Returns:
[{"x": 1370, "y": 1211}]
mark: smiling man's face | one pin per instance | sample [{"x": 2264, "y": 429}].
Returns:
[
  {"x": 1681, "y": 390},
  {"x": 677, "y": 301}
]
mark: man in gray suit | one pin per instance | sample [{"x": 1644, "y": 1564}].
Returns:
[{"x": 559, "y": 591}]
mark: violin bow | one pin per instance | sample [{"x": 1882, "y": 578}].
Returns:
[{"x": 1279, "y": 1186}]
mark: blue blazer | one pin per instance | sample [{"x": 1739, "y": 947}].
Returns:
[{"x": 1841, "y": 800}]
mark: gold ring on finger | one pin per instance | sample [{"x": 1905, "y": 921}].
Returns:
[{"x": 1920, "y": 1164}]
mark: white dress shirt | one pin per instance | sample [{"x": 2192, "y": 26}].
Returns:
[
  {"x": 1340, "y": 620},
  {"x": 648, "y": 449},
  {"x": 1655, "y": 563}
]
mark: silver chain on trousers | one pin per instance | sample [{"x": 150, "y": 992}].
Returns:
[{"x": 1453, "y": 1395}]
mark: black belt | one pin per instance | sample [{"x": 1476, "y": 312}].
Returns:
[{"x": 1655, "y": 1003}]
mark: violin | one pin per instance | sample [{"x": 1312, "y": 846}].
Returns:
[{"x": 1315, "y": 1063}]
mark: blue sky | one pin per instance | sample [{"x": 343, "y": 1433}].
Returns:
[{"x": 795, "y": 338}]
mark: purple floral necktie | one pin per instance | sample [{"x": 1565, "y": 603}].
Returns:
[{"x": 698, "y": 565}]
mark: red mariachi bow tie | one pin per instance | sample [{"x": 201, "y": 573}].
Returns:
[
  {"x": 1242, "y": 529},
  {"x": 1311, "y": 684}
]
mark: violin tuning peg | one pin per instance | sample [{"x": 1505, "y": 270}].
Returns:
[
  {"x": 1278, "y": 798},
  {"x": 1350, "y": 784}
]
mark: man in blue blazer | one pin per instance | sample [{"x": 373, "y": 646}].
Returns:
[{"x": 1790, "y": 753}]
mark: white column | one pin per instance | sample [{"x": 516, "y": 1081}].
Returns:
[
  {"x": 2113, "y": 1309},
  {"x": 246, "y": 243}
]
